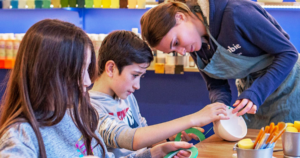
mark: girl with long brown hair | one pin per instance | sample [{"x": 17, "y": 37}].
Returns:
[
  {"x": 233, "y": 39},
  {"x": 46, "y": 110}
]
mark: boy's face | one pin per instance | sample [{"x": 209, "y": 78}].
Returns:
[{"x": 129, "y": 80}]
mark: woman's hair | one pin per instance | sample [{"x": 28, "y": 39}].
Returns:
[
  {"x": 47, "y": 80},
  {"x": 124, "y": 48},
  {"x": 158, "y": 21}
]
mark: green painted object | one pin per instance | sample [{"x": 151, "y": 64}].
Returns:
[
  {"x": 193, "y": 150},
  {"x": 46, "y": 4},
  {"x": 72, "y": 3},
  {"x": 64, "y": 3},
  {"x": 200, "y": 135},
  {"x": 38, "y": 4},
  {"x": 81, "y": 3}
]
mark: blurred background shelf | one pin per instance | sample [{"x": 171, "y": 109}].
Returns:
[
  {"x": 161, "y": 97},
  {"x": 107, "y": 20}
]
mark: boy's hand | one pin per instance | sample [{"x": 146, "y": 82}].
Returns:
[
  {"x": 162, "y": 150},
  {"x": 245, "y": 104},
  {"x": 209, "y": 114},
  {"x": 187, "y": 137},
  {"x": 182, "y": 154}
]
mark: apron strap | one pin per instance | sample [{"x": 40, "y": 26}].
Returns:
[{"x": 196, "y": 9}]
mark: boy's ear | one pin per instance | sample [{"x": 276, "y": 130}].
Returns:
[{"x": 110, "y": 67}]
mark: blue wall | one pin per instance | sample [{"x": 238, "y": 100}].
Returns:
[
  {"x": 289, "y": 20},
  {"x": 20, "y": 20},
  {"x": 162, "y": 97},
  {"x": 107, "y": 20}
]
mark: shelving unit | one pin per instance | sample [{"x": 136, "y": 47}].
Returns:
[
  {"x": 162, "y": 97},
  {"x": 107, "y": 20}
]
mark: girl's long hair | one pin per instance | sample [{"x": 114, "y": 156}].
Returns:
[{"x": 47, "y": 80}]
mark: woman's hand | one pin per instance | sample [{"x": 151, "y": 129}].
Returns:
[
  {"x": 209, "y": 114},
  {"x": 245, "y": 104},
  {"x": 162, "y": 150}
]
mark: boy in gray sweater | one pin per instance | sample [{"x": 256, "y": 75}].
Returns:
[{"x": 122, "y": 61}]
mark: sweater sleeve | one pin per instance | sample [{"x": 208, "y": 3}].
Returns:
[
  {"x": 140, "y": 154},
  {"x": 12, "y": 148},
  {"x": 17, "y": 143},
  {"x": 261, "y": 29},
  {"x": 115, "y": 133}
]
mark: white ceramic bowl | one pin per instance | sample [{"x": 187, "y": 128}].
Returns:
[{"x": 233, "y": 129}]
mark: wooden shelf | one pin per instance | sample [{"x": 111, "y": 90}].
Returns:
[
  {"x": 279, "y": 3},
  {"x": 151, "y": 3},
  {"x": 186, "y": 69},
  {"x": 191, "y": 69},
  {"x": 290, "y": 5}
]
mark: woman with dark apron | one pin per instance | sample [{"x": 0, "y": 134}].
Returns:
[{"x": 233, "y": 40}]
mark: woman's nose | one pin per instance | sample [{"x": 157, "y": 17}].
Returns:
[{"x": 181, "y": 51}]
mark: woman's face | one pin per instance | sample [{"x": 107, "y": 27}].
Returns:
[{"x": 183, "y": 37}]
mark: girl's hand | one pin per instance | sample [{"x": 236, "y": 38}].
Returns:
[
  {"x": 162, "y": 150},
  {"x": 209, "y": 114},
  {"x": 248, "y": 106}
]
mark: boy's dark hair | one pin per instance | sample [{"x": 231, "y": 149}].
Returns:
[{"x": 124, "y": 48}]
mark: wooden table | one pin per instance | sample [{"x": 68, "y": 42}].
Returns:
[{"x": 215, "y": 147}]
